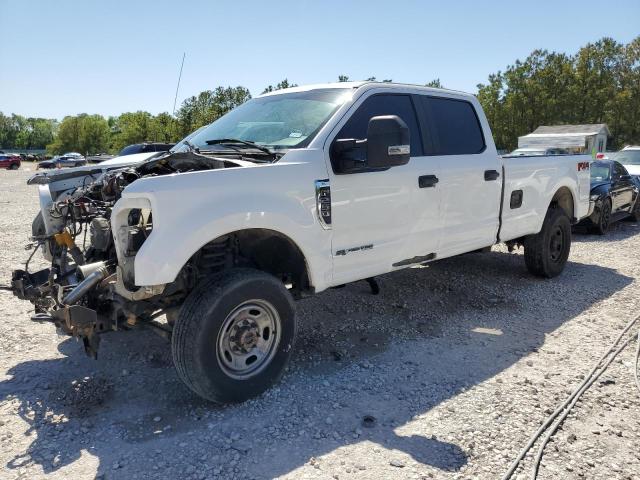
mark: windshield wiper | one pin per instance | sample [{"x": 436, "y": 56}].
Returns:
[{"x": 248, "y": 143}]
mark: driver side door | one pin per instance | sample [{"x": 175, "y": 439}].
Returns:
[{"x": 375, "y": 222}]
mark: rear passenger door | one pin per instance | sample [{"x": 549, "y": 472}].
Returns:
[{"x": 470, "y": 179}]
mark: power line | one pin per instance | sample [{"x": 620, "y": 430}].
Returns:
[{"x": 184, "y": 54}]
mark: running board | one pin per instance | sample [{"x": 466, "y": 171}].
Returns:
[{"x": 415, "y": 260}]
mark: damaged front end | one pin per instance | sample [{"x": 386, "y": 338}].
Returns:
[
  {"x": 89, "y": 286},
  {"x": 59, "y": 297},
  {"x": 78, "y": 291}
]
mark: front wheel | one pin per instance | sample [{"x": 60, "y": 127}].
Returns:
[
  {"x": 546, "y": 252},
  {"x": 234, "y": 335}
]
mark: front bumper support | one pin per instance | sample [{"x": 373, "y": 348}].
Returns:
[
  {"x": 75, "y": 320},
  {"x": 82, "y": 322}
]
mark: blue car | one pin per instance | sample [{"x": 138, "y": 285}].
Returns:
[{"x": 614, "y": 196}]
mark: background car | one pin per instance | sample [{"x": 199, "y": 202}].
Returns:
[
  {"x": 630, "y": 158},
  {"x": 9, "y": 161},
  {"x": 145, "y": 148},
  {"x": 99, "y": 157},
  {"x": 522, "y": 152},
  {"x": 71, "y": 159},
  {"x": 614, "y": 196}
]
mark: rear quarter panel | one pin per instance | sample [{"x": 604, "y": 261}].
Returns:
[{"x": 539, "y": 178}]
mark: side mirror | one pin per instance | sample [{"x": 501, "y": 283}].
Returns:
[
  {"x": 625, "y": 177},
  {"x": 387, "y": 142},
  {"x": 387, "y": 145}
]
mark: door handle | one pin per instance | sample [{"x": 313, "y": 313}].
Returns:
[
  {"x": 490, "y": 175},
  {"x": 427, "y": 181}
]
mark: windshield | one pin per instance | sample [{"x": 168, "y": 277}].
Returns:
[
  {"x": 130, "y": 150},
  {"x": 627, "y": 157},
  {"x": 288, "y": 120},
  {"x": 600, "y": 172}
]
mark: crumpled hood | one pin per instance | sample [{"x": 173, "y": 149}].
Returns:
[{"x": 51, "y": 176}]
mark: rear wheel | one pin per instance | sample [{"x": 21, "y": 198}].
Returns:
[
  {"x": 234, "y": 335},
  {"x": 14, "y": 166},
  {"x": 605, "y": 218},
  {"x": 635, "y": 213},
  {"x": 546, "y": 253}
]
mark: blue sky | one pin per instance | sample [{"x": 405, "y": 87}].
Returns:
[{"x": 66, "y": 57}]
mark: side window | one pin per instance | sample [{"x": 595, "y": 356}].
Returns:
[
  {"x": 619, "y": 170},
  {"x": 455, "y": 125},
  {"x": 400, "y": 105}
]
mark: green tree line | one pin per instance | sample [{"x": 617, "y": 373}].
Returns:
[
  {"x": 17, "y": 131},
  {"x": 598, "y": 84}
]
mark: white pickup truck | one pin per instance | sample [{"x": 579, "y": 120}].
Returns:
[{"x": 290, "y": 194}]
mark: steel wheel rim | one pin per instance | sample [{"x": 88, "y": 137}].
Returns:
[
  {"x": 556, "y": 244},
  {"x": 248, "y": 339}
]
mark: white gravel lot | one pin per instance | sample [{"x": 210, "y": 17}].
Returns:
[{"x": 457, "y": 363}]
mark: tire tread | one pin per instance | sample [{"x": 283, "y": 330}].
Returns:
[
  {"x": 189, "y": 325},
  {"x": 535, "y": 246}
]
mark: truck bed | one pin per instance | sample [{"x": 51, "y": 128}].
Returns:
[{"x": 538, "y": 178}]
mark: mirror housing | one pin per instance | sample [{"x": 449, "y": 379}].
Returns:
[
  {"x": 387, "y": 142},
  {"x": 387, "y": 145},
  {"x": 625, "y": 177}
]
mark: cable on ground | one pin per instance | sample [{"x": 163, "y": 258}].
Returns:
[{"x": 563, "y": 410}]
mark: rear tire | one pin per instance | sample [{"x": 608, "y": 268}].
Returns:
[
  {"x": 604, "y": 220},
  {"x": 14, "y": 166},
  {"x": 234, "y": 335},
  {"x": 546, "y": 253},
  {"x": 635, "y": 213}
]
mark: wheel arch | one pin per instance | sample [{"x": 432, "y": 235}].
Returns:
[
  {"x": 564, "y": 199},
  {"x": 264, "y": 249}
]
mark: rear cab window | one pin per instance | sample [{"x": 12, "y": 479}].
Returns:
[{"x": 453, "y": 126}]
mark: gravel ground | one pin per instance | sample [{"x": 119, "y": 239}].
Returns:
[{"x": 443, "y": 375}]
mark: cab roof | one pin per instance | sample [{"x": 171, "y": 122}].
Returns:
[{"x": 364, "y": 84}]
